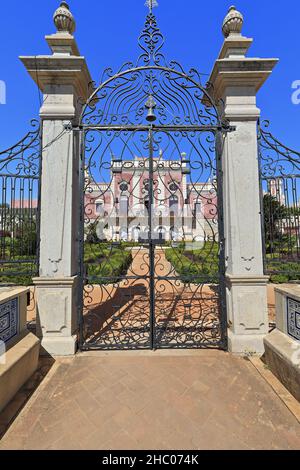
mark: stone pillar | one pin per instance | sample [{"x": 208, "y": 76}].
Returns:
[
  {"x": 236, "y": 80},
  {"x": 63, "y": 78}
]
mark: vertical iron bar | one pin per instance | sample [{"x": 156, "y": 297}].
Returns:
[
  {"x": 278, "y": 219},
  {"x": 1, "y": 220},
  {"x": 261, "y": 195},
  {"x": 33, "y": 237},
  {"x": 220, "y": 141},
  {"x": 13, "y": 214},
  {"x": 151, "y": 244},
  {"x": 287, "y": 224},
  {"x": 293, "y": 210},
  {"x": 4, "y": 198},
  {"x": 81, "y": 149},
  {"x": 39, "y": 198},
  {"x": 22, "y": 201},
  {"x": 296, "y": 213}
]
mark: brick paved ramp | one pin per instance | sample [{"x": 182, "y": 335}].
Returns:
[{"x": 189, "y": 400}]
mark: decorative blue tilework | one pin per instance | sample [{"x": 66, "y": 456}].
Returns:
[
  {"x": 9, "y": 317},
  {"x": 293, "y": 318}
]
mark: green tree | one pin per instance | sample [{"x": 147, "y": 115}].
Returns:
[
  {"x": 292, "y": 211},
  {"x": 26, "y": 239},
  {"x": 274, "y": 211},
  {"x": 91, "y": 233}
]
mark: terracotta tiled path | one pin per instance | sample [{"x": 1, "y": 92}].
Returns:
[{"x": 192, "y": 400}]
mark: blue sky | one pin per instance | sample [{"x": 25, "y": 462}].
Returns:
[{"x": 107, "y": 34}]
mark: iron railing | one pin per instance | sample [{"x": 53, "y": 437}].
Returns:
[
  {"x": 280, "y": 199},
  {"x": 20, "y": 168}
]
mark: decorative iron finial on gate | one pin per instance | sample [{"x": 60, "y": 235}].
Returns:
[
  {"x": 151, "y": 4},
  {"x": 151, "y": 105},
  {"x": 64, "y": 20},
  {"x": 151, "y": 39},
  {"x": 233, "y": 22}
]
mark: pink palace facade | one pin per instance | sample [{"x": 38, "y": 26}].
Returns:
[{"x": 181, "y": 210}]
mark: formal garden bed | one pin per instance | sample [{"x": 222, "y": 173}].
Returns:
[
  {"x": 103, "y": 263},
  {"x": 106, "y": 263},
  {"x": 109, "y": 261},
  {"x": 202, "y": 265},
  {"x": 19, "y": 274},
  {"x": 282, "y": 272},
  {"x": 19, "y": 260},
  {"x": 195, "y": 265}
]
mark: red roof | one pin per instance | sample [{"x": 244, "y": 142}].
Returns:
[{"x": 25, "y": 204}]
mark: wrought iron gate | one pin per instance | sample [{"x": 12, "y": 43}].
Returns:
[
  {"x": 20, "y": 171},
  {"x": 152, "y": 244},
  {"x": 280, "y": 200}
]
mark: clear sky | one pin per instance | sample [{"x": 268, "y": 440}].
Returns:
[{"x": 107, "y": 32}]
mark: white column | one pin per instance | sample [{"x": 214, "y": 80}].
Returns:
[
  {"x": 237, "y": 79},
  {"x": 62, "y": 77}
]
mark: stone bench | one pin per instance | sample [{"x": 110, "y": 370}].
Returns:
[
  {"x": 19, "y": 349},
  {"x": 282, "y": 346}
]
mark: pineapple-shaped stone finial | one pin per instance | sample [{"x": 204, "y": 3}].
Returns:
[
  {"x": 233, "y": 22},
  {"x": 63, "y": 19}
]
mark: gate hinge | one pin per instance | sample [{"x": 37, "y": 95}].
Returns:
[
  {"x": 228, "y": 128},
  {"x": 69, "y": 127}
]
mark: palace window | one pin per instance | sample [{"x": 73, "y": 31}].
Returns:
[
  {"x": 198, "y": 208},
  {"x": 147, "y": 206},
  {"x": 173, "y": 205},
  {"x": 161, "y": 231},
  {"x": 99, "y": 207},
  {"x": 197, "y": 214},
  {"x": 173, "y": 187},
  {"x": 124, "y": 186},
  {"x": 174, "y": 233},
  {"x": 124, "y": 234},
  {"x": 124, "y": 206}
]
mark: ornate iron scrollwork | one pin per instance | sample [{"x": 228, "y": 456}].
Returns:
[
  {"x": 151, "y": 42},
  {"x": 276, "y": 159}
]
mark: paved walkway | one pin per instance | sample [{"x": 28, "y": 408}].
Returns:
[{"x": 189, "y": 400}]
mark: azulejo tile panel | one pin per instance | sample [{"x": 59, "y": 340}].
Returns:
[
  {"x": 293, "y": 320},
  {"x": 9, "y": 314}
]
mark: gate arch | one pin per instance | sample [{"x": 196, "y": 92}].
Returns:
[{"x": 158, "y": 128}]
